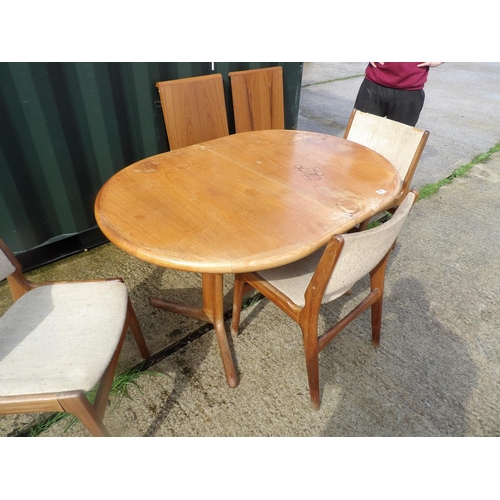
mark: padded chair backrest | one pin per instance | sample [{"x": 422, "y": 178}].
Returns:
[
  {"x": 401, "y": 144},
  {"x": 6, "y": 266},
  {"x": 363, "y": 250},
  {"x": 258, "y": 99},
  {"x": 194, "y": 109}
]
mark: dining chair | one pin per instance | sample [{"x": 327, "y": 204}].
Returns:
[
  {"x": 58, "y": 340},
  {"x": 258, "y": 99},
  {"x": 300, "y": 288},
  {"x": 194, "y": 109},
  {"x": 401, "y": 144}
]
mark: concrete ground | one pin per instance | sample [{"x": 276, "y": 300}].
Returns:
[{"x": 437, "y": 370}]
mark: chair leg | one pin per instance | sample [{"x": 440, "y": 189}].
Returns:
[
  {"x": 136, "y": 331},
  {"x": 309, "y": 333},
  {"x": 80, "y": 407},
  {"x": 377, "y": 321},
  {"x": 312, "y": 364},
  {"x": 377, "y": 282}
]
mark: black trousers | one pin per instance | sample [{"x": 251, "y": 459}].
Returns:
[{"x": 400, "y": 105}]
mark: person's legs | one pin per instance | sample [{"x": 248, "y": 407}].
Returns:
[
  {"x": 406, "y": 106},
  {"x": 372, "y": 98}
]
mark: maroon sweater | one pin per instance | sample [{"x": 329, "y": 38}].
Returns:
[{"x": 398, "y": 75}]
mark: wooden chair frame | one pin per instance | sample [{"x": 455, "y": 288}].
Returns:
[
  {"x": 307, "y": 316},
  {"x": 74, "y": 402}
]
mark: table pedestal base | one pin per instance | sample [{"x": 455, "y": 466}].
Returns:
[{"x": 211, "y": 312}]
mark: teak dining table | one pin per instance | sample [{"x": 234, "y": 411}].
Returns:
[{"x": 245, "y": 202}]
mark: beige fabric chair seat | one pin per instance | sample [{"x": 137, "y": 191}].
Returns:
[
  {"x": 59, "y": 340},
  {"x": 60, "y": 337}
]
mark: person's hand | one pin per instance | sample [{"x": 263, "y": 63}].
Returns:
[
  {"x": 374, "y": 64},
  {"x": 429, "y": 64}
]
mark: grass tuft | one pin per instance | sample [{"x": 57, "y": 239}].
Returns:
[
  {"x": 250, "y": 301},
  {"x": 430, "y": 189}
]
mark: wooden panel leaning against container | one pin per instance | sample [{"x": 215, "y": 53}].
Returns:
[
  {"x": 194, "y": 109},
  {"x": 258, "y": 101}
]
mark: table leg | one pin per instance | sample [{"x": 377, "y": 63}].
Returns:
[
  {"x": 212, "y": 312},
  {"x": 179, "y": 308},
  {"x": 213, "y": 306}
]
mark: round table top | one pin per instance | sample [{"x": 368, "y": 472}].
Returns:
[{"x": 244, "y": 202}]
